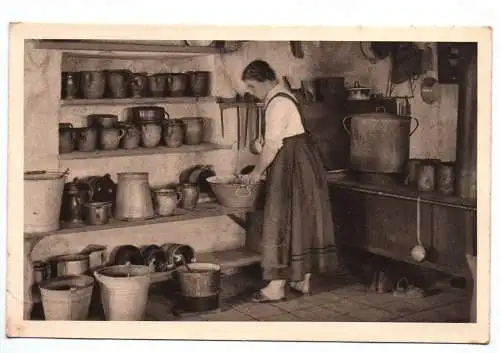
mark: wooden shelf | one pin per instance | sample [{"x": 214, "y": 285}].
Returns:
[
  {"x": 202, "y": 210},
  {"x": 137, "y": 101},
  {"x": 228, "y": 104},
  {"x": 95, "y": 48},
  {"x": 141, "y": 151},
  {"x": 400, "y": 192}
]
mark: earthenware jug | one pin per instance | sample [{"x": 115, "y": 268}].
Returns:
[{"x": 150, "y": 134}]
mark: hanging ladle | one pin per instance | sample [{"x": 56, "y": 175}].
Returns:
[
  {"x": 257, "y": 144},
  {"x": 418, "y": 252}
]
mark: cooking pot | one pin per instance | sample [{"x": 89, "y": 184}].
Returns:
[
  {"x": 74, "y": 264},
  {"x": 67, "y": 136},
  {"x": 127, "y": 254},
  {"x": 93, "y": 84},
  {"x": 102, "y": 120},
  {"x": 194, "y": 129},
  {"x": 96, "y": 254},
  {"x": 380, "y": 142},
  {"x": 199, "y": 83},
  {"x": 157, "y": 84},
  {"x": 154, "y": 257},
  {"x": 358, "y": 92},
  {"x": 149, "y": 114},
  {"x": 177, "y": 84},
  {"x": 97, "y": 212},
  {"x": 118, "y": 83}
]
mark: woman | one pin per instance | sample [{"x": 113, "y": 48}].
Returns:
[{"x": 298, "y": 234}]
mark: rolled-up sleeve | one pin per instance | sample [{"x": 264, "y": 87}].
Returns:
[{"x": 277, "y": 118}]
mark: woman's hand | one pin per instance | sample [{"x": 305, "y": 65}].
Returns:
[{"x": 254, "y": 177}]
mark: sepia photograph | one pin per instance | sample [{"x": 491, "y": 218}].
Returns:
[{"x": 326, "y": 177}]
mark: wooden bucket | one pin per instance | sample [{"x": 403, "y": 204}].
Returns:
[{"x": 67, "y": 298}]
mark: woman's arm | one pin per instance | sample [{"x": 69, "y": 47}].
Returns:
[
  {"x": 266, "y": 157},
  {"x": 277, "y": 116}
]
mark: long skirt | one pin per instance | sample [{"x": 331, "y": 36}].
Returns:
[{"x": 297, "y": 231}]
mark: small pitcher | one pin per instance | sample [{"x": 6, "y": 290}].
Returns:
[
  {"x": 132, "y": 137},
  {"x": 93, "y": 84},
  {"x": 118, "y": 83},
  {"x": 157, "y": 84},
  {"x": 87, "y": 139},
  {"x": 138, "y": 84},
  {"x": 110, "y": 138},
  {"x": 190, "y": 195},
  {"x": 67, "y": 138},
  {"x": 166, "y": 200},
  {"x": 150, "y": 134},
  {"x": 173, "y": 133}
]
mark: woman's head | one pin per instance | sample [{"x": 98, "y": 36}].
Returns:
[{"x": 259, "y": 78}]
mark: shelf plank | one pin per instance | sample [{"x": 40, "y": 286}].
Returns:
[
  {"x": 202, "y": 210},
  {"x": 137, "y": 101},
  {"x": 126, "y": 47},
  {"x": 142, "y": 151},
  {"x": 227, "y": 104},
  {"x": 230, "y": 259}
]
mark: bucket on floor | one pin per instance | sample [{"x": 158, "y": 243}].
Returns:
[
  {"x": 67, "y": 298},
  {"x": 43, "y": 192},
  {"x": 124, "y": 291},
  {"x": 200, "y": 288}
]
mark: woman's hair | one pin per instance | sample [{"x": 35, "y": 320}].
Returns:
[{"x": 260, "y": 71}]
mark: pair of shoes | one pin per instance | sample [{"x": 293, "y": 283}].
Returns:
[
  {"x": 259, "y": 297},
  {"x": 404, "y": 289}
]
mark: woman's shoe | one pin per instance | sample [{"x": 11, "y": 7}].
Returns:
[
  {"x": 260, "y": 297},
  {"x": 302, "y": 287}
]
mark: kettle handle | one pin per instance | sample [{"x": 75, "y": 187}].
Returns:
[
  {"x": 344, "y": 121},
  {"x": 417, "y": 124}
]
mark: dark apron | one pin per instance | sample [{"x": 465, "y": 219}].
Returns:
[{"x": 297, "y": 226}]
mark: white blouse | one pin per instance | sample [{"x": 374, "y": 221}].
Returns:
[{"x": 282, "y": 118}]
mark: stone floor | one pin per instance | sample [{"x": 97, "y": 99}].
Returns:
[
  {"x": 343, "y": 299},
  {"x": 339, "y": 298}
]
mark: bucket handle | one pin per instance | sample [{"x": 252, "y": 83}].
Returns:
[
  {"x": 417, "y": 124},
  {"x": 377, "y": 110}
]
